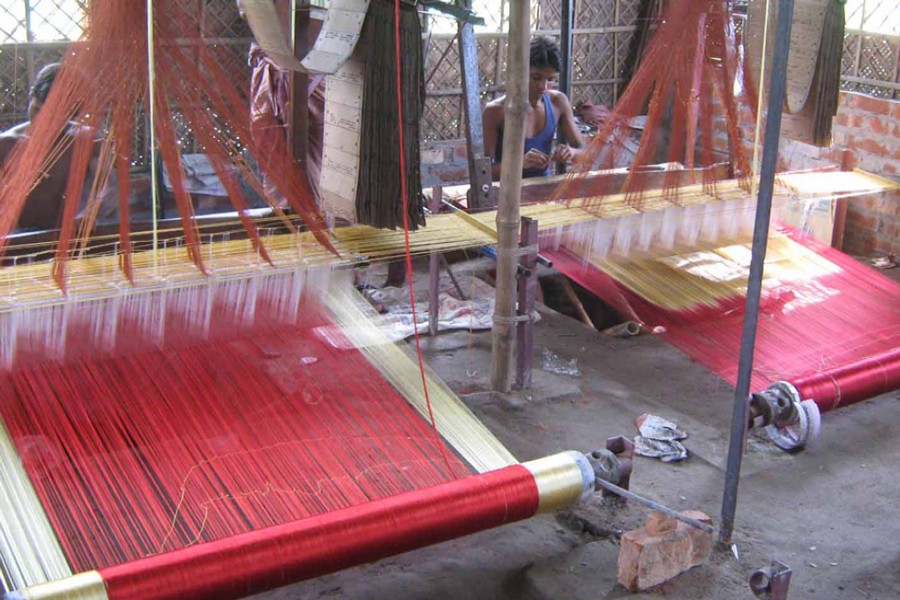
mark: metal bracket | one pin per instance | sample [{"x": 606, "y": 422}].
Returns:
[
  {"x": 771, "y": 583},
  {"x": 457, "y": 12},
  {"x": 481, "y": 193},
  {"x": 614, "y": 464},
  {"x": 789, "y": 421}
]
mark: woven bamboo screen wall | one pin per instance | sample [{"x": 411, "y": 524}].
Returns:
[
  {"x": 35, "y": 32},
  {"x": 601, "y": 40},
  {"x": 871, "y": 60}
]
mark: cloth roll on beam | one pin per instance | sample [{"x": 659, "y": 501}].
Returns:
[
  {"x": 269, "y": 558},
  {"x": 852, "y": 383}
]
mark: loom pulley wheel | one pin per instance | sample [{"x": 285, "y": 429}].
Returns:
[
  {"x": 790, "y": 421},
  {"x": 802, "y": 431}
]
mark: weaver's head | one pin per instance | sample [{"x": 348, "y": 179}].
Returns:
[
  {"x": 41, "y": 88},
  {"x": 544, "y": 67}
]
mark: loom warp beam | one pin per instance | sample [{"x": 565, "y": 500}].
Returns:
[{"x": 264, "y": 559}]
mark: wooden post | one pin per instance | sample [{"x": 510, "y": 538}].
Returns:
[
  {"x": 528, "y": 283},
  {"x": 434, "y": 269},
  {"x": 839, "y": 226},
  {"x": 510, "y": 185}
]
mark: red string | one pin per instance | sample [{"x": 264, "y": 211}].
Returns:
[
  {"x": 692, "y": 37},
  {"x": 403, "y": 190},
  {"x": 105, "y": 78}
]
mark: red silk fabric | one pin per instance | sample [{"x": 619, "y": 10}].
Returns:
[
  {"x": 153, "y": 451},
  {"x": 854, "y": 382},
  {"x": 261, "y": 560},
  {"x": 836, "y": 337}
]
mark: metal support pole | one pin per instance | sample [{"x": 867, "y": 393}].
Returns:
[
  {"x": 527, "y": 287},
  {"x": 740, "y": 416},
  {"x": 479, "y": 165},
  {"x": 434, "y": 269},
  {"x": 298, "y": 132},
  {"x": 567, "y": 23},
  {"x": 503, "y": 334}
]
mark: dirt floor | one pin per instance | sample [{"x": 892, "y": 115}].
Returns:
[{"x": 829, "y": 512}]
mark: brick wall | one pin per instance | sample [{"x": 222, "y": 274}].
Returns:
[
  {"x": 444, "y": 163},
  {"x": 867, "y": 131}
]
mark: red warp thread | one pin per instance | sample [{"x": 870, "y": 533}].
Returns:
[
  {"x": 269, "y": 558},
  {"x": 148, "y": 452},
  {"x": 92, "y": 110},
  {"x": 836, "y": 336}
]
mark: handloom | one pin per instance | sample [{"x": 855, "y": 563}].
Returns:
[
  {"x": 176, "y": 428},
  {"x": 830, "y": 325},
  {"x": 172, "y": 422}
]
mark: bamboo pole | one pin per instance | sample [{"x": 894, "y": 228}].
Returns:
[{"x": 504, "y": 331}]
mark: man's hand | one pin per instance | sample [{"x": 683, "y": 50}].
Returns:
[
  {"x": 535, "y": 159},
  {"x": 563, "y": 154}
]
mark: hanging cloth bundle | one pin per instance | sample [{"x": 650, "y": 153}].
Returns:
[{"x": 379, "y": 201}]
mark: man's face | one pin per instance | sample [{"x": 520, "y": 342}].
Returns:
[{"x": 540, "y": 80}]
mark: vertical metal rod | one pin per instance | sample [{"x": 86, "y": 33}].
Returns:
[
  {"x": 503, "y": 334},
  {"x": 434, "y": 269},
  {"x": 527, "y": 290},
  {"x": 479, "y": 166},
  {"x": 758, "y": 256},
  {"x": 567, "y": 22},
  {"x": 151, "y": 115},
  {"x": 567, "y": 18},
  {"x": 298, "y": 130}
]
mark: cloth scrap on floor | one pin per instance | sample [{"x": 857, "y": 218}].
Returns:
[{"x": 659, "y": 438}]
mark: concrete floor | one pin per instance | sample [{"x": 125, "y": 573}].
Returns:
[{"x": 829, "y": 512}]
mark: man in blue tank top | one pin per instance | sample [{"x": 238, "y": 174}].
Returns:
[{"x": 548, "y": 109}]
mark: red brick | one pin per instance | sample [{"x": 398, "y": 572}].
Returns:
[
  {"x": 895, "y": 110},
  {"x": 862, "y": 220},
  {"x": 858, "y": 241},
  {"x": 869, "y": 204},
  {"x": 883, "y": 246},
  {"x": 892, "y": 204},
  {"x": 868, "y": 145},
  {"x": 877, "y": 126},
  {"x": 840, "y": 137},
  {"x": 452, "y": 175},
  {"x": 875, "y": 106},
  {"x": 890, "y": 228},
  {"x": 855, "y": 121},
  {"x": 889, "y": 168},
  {"x": 647, "y": 559}
]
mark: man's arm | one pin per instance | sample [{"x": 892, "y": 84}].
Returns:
[{"x": 569, "y": 130}]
